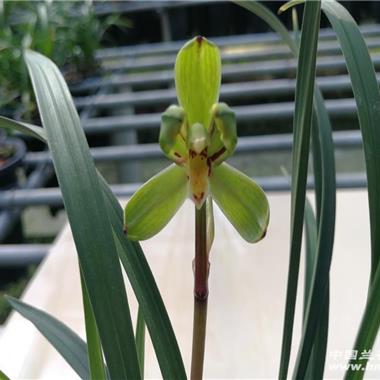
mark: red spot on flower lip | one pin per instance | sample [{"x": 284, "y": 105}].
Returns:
[
  {"x": 199, "y": 197},
  {"x": 199, "y": 39}
]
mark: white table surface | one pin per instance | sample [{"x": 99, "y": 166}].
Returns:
[{"x": 246, "y": 301}]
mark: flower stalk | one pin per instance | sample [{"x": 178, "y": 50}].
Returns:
[
  {"x": 198, "y": 135},
  {"x": 201, "y": 267}
]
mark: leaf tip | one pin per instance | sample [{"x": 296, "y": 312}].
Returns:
[
  {"x": 199, "y": 39},
  {"x": 11, "y": 300}
]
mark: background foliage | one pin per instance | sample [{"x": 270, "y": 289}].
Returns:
[{"x": 68, "y": 32}]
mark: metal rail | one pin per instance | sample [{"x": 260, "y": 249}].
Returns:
[
  {"x": 9, "y": 217},
  {"x": 37, "y": 178},
  {"x": 236, "y": 72},
  {"x": 53, "y": 196},
  {"x": 229, "y": 91},
  {"x": 254, "y": 38},
  {"x": 12, "y": 201},
  {"x": 141, "y": 6},
  {"x": 256, "y": 144},
  {"x": 255, "y": 55},
  {"x": 283, "y": 111},
  {"x": 20, "y": 255}
]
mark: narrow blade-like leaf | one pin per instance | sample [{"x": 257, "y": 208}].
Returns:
[
  {"x": 310, "y": 250},
  {"x": 140, "y": 340},
  {"x": 318, "y": 355},
  {"x": 367, "y": 333},
  {"x": 94, "y": 348},
  {"x": 301, "y": 140},
  {"x": 325, "y": 194},
  {"x": 242, "y": 201},
  {"x": 323, "y": 135},
  {"x": 147, "y": 294},
  {"x": 271, "y": 19},
  {"x": 88, "y": 216},
  {"x": 366, "y": 92},
  {"x": 63, "y": 339},
  {"x": 145, "y": 288},
  {"x": 29, "y": 129},
  {"x": 367, "y": 97},
  {"x": 289, "y": 4}
]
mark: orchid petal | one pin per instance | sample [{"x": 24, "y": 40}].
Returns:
[
  {"x": 155, "y": 203},
  {"x": 242, "y": 201},
  {"x": 171, "y": 140},
  {"x": 197, "y": 78}
]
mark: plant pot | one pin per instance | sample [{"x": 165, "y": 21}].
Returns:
[{"x": 8, "y": 165}]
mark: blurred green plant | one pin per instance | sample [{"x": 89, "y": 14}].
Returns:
[
  {"x": 69, "y": 32},
  {"x": 14, "y": 289}
]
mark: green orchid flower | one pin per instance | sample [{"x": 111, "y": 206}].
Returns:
[{"x": 198, "y": 136}]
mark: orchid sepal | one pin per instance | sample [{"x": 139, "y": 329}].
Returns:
[{"x": 154, "y": 204}]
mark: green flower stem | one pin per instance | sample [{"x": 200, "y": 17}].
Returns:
[
  {"x": 201, "y": 270},
  {"x": 199, "y": 338}
]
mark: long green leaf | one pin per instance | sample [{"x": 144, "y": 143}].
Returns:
[
  {"x": 147, "y": 294},
  {"x": 95, "y": 355},
  {"x": 317, "y": 359},
  {"x": 26, "y": 128},
  {"x": 367, "y": 333},
  {"x": 301, "y": 140},
  {"x": 289, "y": 4},
  {"x": 64, "y": 340},
  {"x": 324, "y": 136},
  {"x": 88, "y": 216},
  {"x": 145, "y": 288},
  {"x": 318, "y": 355},
  {"x": 271, "y": 19},
  {"x": 94, "y": 348},
  {"x": 311, "y": 234},
  {"x": 317, "y": 282},
  {"x": 366, "y": 92},
  {"x": 140, "y": 340},
  {"x": 367, "y": 97},
  {"x": 325, "y": 193},
  {"x": 316, "y": 315},
  {"x": 38, "y": 132},
  {"x": 310, "y": 250}
]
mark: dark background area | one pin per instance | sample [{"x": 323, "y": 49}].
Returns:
[{"x": 213, "y": 18}]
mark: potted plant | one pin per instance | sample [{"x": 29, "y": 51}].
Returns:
[{"x": 12, "y": 152}]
